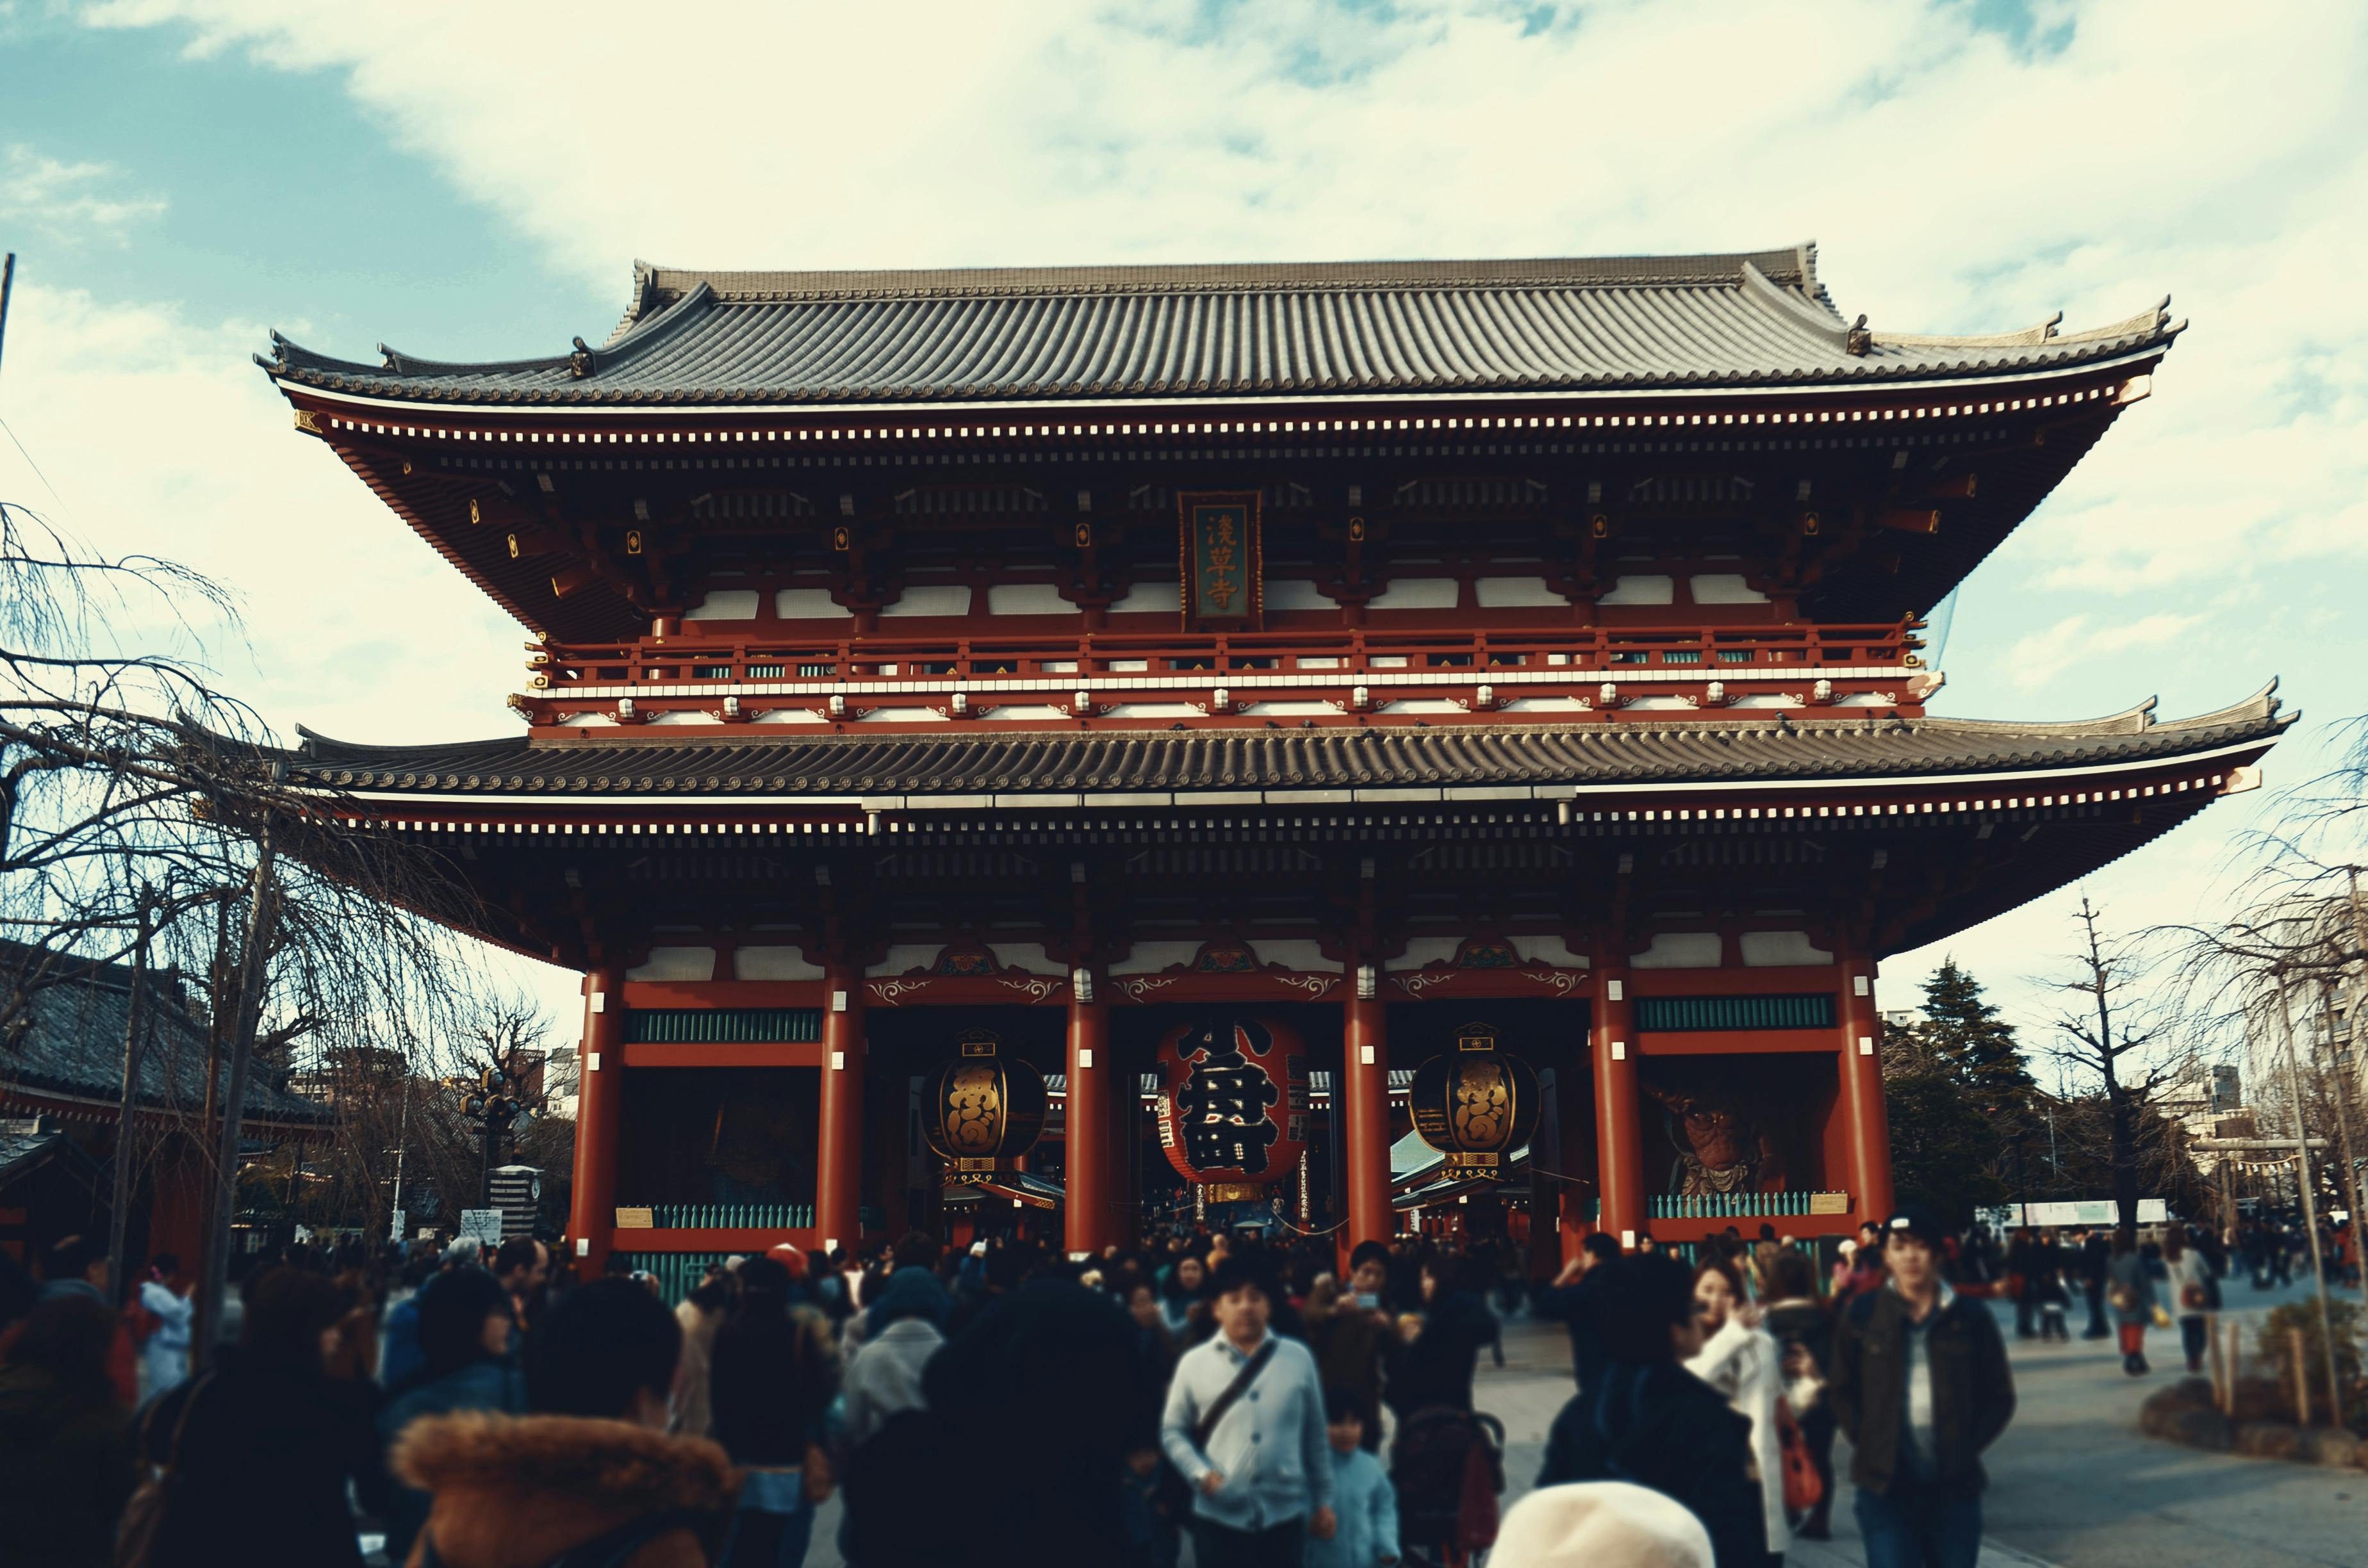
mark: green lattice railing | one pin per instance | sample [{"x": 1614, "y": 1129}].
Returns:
[
  {"x": 1745, "y": 1205},
  {"x": 730, "y": 1216},
  {"x": 1677, "y": 1014},
  {"x": 720, "y": 1026}
]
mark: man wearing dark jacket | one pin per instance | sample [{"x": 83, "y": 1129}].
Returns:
[
  {"x": 1569, "y": 1302},
  {"x": 1920, "y": 1384},
  {"x": 1646, "y": 1420},
  {"x": 2096, "y": 1258}
]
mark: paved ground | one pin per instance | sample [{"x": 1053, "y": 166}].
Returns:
[
  {"x": 2072, "y": 1481},
  {"x": 2072, "y": 1484}
]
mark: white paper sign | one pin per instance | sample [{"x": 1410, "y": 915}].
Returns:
[{"x": 485, "y": 1225}]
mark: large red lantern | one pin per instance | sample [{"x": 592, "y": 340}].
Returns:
[{"x": 1233, "y": 1112}]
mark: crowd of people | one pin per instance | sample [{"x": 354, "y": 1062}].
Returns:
[{"x": 1261, "y": 1402}]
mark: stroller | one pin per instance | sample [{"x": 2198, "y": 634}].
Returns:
[{"x": 1449, "y": 1468}]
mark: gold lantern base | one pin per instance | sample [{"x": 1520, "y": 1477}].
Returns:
[
  {"x": 1234, "y": 1191},
  {"x": 970, "y": 1173}
]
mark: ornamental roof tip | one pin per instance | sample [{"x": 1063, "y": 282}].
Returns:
[{"x": 1741, "y": 319}]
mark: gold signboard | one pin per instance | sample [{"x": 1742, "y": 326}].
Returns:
[{"x": 1218, "y": 550}]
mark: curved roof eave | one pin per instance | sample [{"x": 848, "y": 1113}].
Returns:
[
  {"x": 1110, "y": 407},
  {"x": 713, "y": 339}
]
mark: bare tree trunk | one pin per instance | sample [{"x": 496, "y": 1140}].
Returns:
[
  {"x": 135, "y": 1042},
  {"x": 212, "y": 1281},
  {"x": 2121, "y": 1115}
]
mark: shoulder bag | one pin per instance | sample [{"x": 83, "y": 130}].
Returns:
[
  {"x": 1204, "y": 1428},
  {"x": 144, "y": 1516},
  {"x": 1804, "y": 1487}
]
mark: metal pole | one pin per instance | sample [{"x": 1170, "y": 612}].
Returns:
[
  {"x": 2341, "y": 1070},
  {"x": 8, "y": 287},
  {"x": 2309, "y": 1201},
  {"x": 135, "y": 1040},
  {"x": 402, "y": 1142}
]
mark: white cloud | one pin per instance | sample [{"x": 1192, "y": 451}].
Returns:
[
  {"x": 161, "y": 438},
  {"x": 1958, "y": 181},
  {"x": 2039, "y": 659},
  {"x": 64, "y": 201}
]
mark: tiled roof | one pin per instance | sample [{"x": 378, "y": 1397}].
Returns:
[
  {"x": 75, "y": 1047},
  {"x": 25, "y": 1144},
  {"x": 1115, "y": 333},
  {"x": 1690, "y": 750}
]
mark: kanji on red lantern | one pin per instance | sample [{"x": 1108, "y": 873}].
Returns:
[{"x": 1233, "y": 1105}]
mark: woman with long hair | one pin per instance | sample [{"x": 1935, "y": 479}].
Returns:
[
  {"x": 466, "y": 1321},
  {"x": 1740, "y": 1358},
  {"x": 264, "y": 1445},
  {"x": 2189, "y": 1282},
  {"x": 1803, "y": 1327},
  {"x": 773, "y": 1374},
  {"x": 1184, "y": 1295}
]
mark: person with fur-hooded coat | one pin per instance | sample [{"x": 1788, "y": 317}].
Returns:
[
  {"x": 593, "y": 1468},
  {"x": 517, "y": 1492}
]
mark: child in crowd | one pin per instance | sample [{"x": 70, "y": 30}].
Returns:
[{"x": 1362, "y": 1499}]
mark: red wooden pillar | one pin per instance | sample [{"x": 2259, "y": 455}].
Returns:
[
  {"x": 1365, "y": 1120},
  {"x": 1868, "y": 1118},
  {"x": 1619, "y": 1129},
  {"x": 839, "y": 1163},
  {"x": 1089, "y": 1209},
  {"x": 1574, "y": 1119},
  {"x": 600, "y": 1112}
]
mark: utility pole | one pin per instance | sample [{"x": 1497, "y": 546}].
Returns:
[
  {"x": 2309, "y": 1200},
  {"x": 402, "y": 1143},
  {"x": 8, "y": 287},
  {"x": 135, "y": 1041},
  {"x": 2342, "y": 1069}
]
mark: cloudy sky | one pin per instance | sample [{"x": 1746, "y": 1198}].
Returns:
[{"x": 472, "y": 181}]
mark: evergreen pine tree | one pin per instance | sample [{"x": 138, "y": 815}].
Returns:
[
  {"x": 1958, "y": 1092},
  {"x": 1965, "y": 1035}
]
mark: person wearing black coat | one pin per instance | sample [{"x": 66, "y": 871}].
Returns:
[
  {"x": 1803, "y": 1327},
  {"x": 1434, "y": 1369},
  {"x": 1648, "y": 1421},
  {"x": 2096, "y": 1261},
  {"x": 271, "y": 1439},
  {"x": 66, "y": 1444},
  {"x": 1036, "y": 1407},
  {"x": 772, "y": 1374},
  {"x": 1569, "y": 1302}
]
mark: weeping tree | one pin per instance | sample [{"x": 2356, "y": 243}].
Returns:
[
  {"x": 147, "y": 820},
  {"x": 2288, "y": 956}
]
